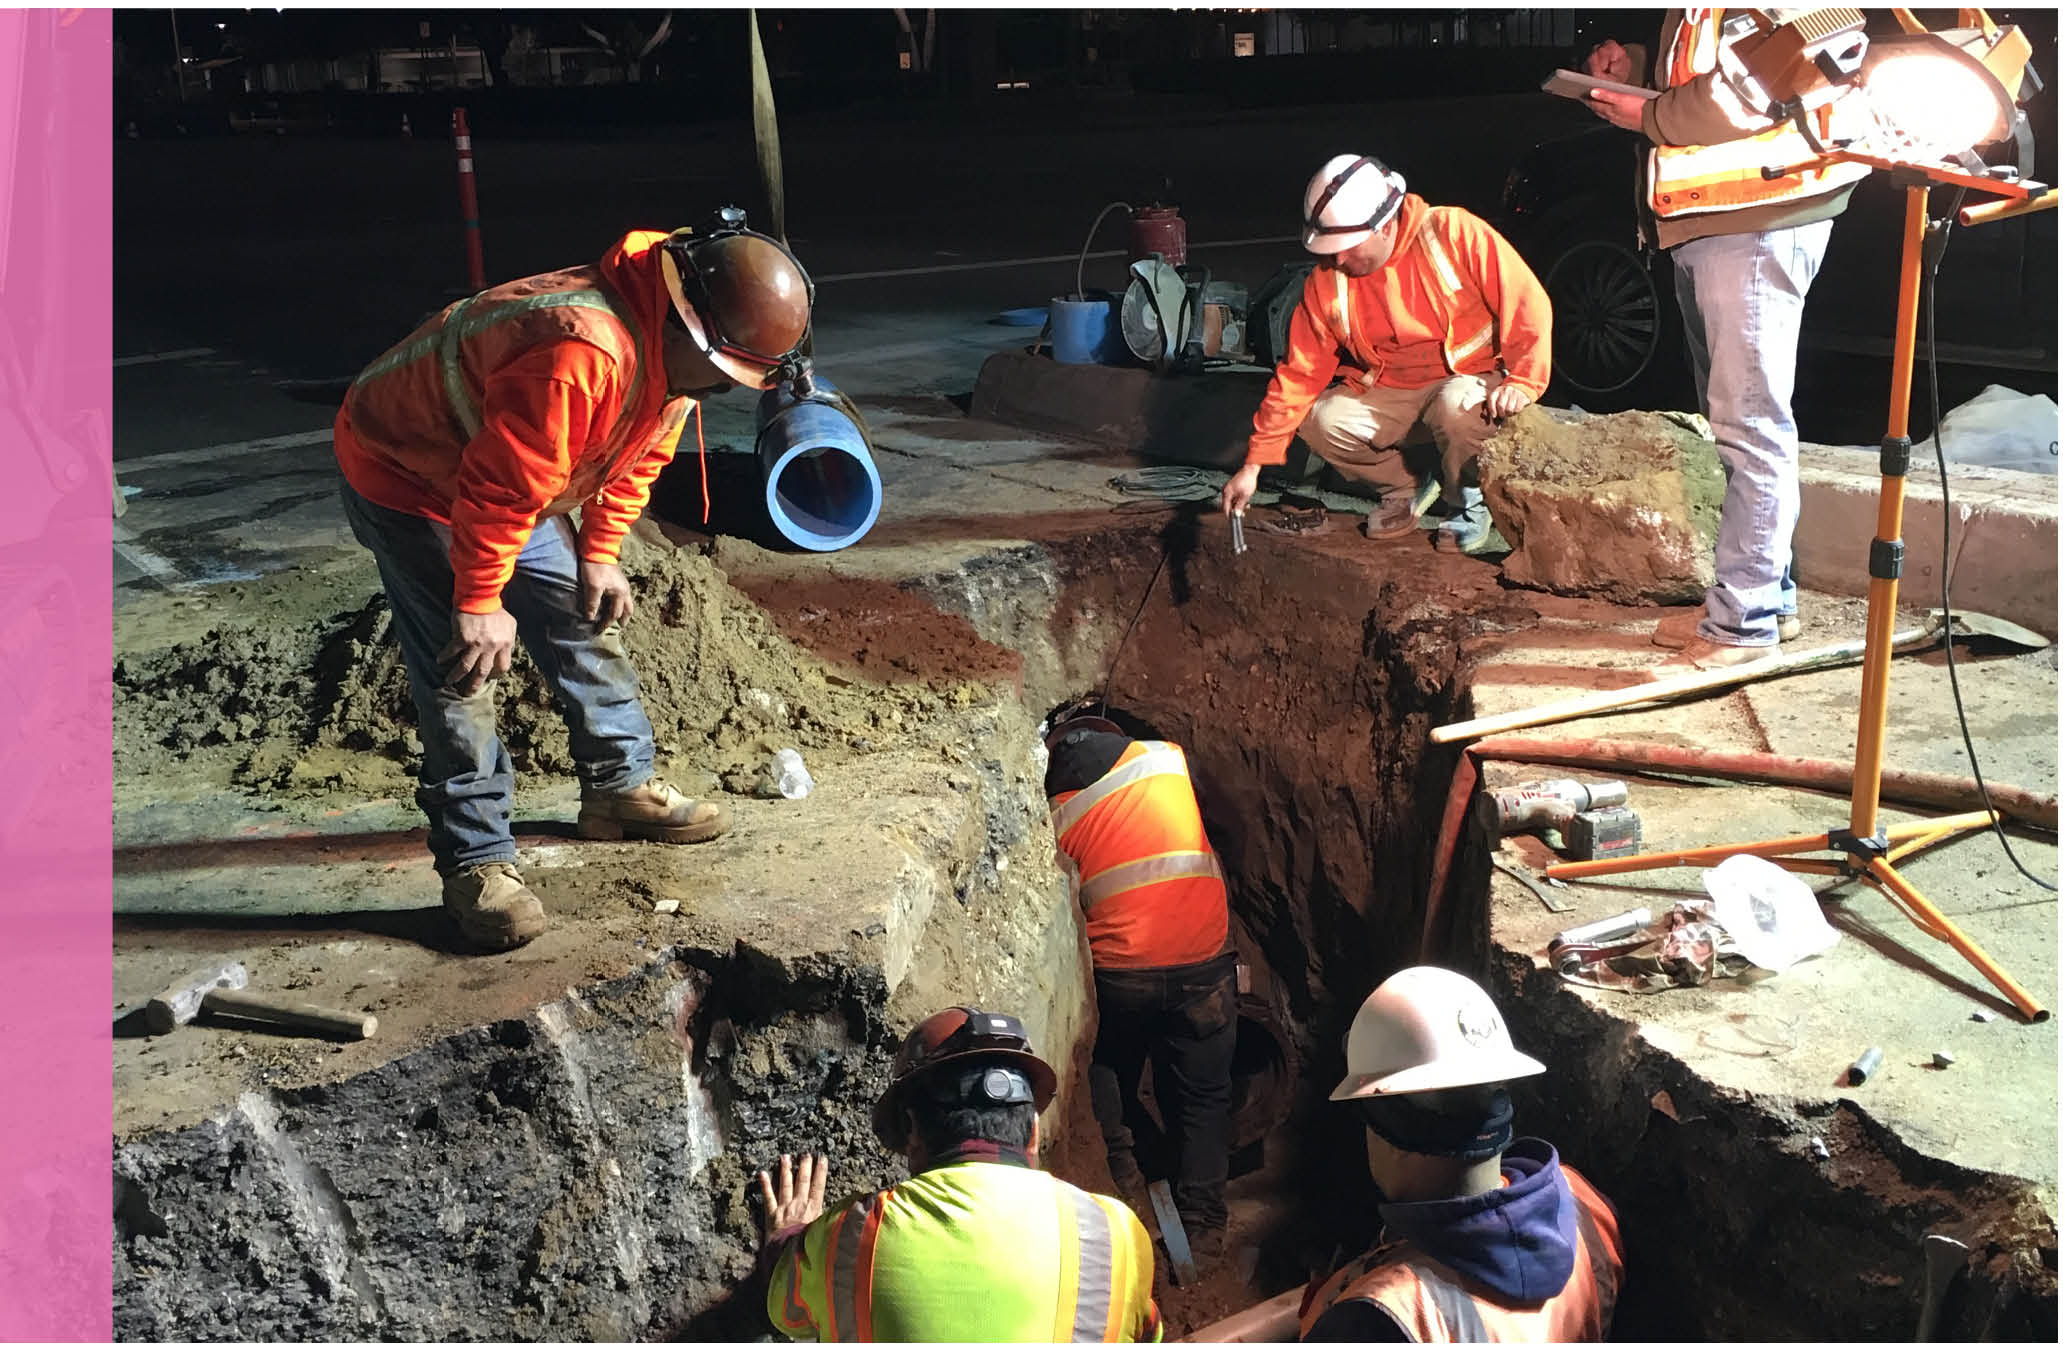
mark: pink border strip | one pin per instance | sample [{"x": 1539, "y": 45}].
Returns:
[{"x": 56, "y": 602}]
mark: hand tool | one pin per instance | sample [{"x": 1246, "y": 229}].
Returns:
[
  {"x": 216, "y": 989},
  {"x": 1172, "y": 1233},
  {"x": 1239, "y": 532},
  {"x": 1967, "y": 625},
  {"x": 1946, "y": 1258}
]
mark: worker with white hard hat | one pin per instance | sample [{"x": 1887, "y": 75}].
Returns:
[
  {"x": 1434, "y": 328},
  {"x": 1484, "y": 1238}
]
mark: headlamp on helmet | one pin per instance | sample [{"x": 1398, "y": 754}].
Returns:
[{"x": 742, "y": 297}]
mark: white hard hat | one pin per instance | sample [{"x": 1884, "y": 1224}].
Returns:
[
  {"x": 1428, "y": 1028},
  {"x": 1348, "y": 200}
]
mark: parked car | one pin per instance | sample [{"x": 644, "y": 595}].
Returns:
[{"x": 1571, "y": 208}]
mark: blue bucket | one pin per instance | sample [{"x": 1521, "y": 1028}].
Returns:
[
  {"x": 822, "y": 489},
  {"x": 1084, "y": 331}
]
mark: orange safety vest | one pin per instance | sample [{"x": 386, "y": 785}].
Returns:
[
  {"x": 580, "y": 414},
  {"x": 1691, "y": 180},
  {"x": 1433, "y": 1303},
  {"x": 1147, "y": 876}
]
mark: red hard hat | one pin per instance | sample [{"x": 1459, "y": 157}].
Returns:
[
  {"x": 959, "y": 1034},
  {"x": 742, "y": 296}
]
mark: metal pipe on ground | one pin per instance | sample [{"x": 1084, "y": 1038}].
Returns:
[{"x": 1273, "y": 1320}]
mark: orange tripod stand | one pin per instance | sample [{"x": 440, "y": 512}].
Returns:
[{"x": 1863, "y": 852}]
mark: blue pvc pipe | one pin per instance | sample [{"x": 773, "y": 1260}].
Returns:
[{"x": 822, "y": 489}]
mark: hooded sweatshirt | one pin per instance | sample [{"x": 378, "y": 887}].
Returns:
[
  {"x": 571, "y": 409},
  {"x": 1516, "y": 1242},
  {"x": 1454, "y": 298}
]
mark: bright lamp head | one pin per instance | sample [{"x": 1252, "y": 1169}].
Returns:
[{"x": 1943, "y": 94}]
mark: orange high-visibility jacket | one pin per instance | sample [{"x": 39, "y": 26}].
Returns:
[
  {"x": 524, "y": 401},
  {"x": 1433, "y": 1303},
  {"x": 1150, "y": 883},
  {"x": 1711, "y": 147},
  {"x": 1454, "y": 299}
]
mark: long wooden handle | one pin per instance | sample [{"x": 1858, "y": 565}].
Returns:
[
  {"x": 1603, "y": 701},
  {"x": 307, "y": 1017}
]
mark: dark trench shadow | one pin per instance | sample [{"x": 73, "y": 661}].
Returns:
[
  {"x": 737, "y": 497},
  {"x": 425, "y": 926}
]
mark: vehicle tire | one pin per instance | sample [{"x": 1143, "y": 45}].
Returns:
[{"x": 1617, "y": 333}]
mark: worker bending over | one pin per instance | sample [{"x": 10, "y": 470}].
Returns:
[
  {"x": 1153, "y": 896},
  {"x": 1433, "y": 323},
  {"x": 979, "y": 1245},
  {"x": 1746, "y": 248},
  {"x": 466, "y": 449},
  {"x": 1483, "y": 1239}
]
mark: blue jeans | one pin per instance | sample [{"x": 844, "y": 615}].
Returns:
[
  {"x": 467, "y": 785},
  {"x": 1742, "y": 298}
]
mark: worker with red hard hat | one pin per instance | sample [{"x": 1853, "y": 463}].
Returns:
[
  {"x": 1483, "y": 1238},
  {"x": 1433, "y": 328},
  {"x": 978, "y": 1244},
  {"x": 1132, "y": 841},
  {"x": 465, "y": 452}
]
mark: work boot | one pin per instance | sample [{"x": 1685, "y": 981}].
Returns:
[
  {"x": 652, "y": 811},
  {"x": 1394, "y": 517},
  {"x": 1679, "y": 629},
  {"x": 1709, "y": 656},
  {"x": 492, "y": 907},
  {"x": 1467, "y": 530}
]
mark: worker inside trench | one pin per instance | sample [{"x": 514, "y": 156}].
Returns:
[{"x": 1292, "y": 1208}]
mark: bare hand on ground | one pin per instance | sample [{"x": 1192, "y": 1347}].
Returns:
[
  {"x": 605, "y": 594},
  {"x": 1621, "y": 110},
  {"x": 1609, "y": 61},
  {"x": 1239, "y": 490},
  {"x": 798, "y": 1199},
  {"x": 1505, "y": 400},
  {"x": 479, "y": 650}
]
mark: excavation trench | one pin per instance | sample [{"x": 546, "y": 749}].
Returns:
[{"x": 575, "y": 1166}]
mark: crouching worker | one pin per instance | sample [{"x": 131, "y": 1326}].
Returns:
[
  {"x": 979, "y": 1245},
  {"x": 1483, "y": 1239}
]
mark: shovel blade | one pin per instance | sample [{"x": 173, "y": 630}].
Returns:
[{"x": 1971, "y": 624}]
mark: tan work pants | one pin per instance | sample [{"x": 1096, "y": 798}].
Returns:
[{"x": 1359, "y": 431}]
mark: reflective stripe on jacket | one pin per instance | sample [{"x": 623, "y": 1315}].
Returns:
[
  {"x": 1726, "y": 174},
  {"x": 525, "y": 401},
  {"x": 969, "y": 1252},
  {"x": 1454, "y": 299},
  {"x": 1150, "y": 883},
  {"x": 1432, "y": 1303}
]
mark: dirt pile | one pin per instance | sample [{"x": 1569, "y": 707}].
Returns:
[
  {"x": 1622, "y": 508},
  {"x": 296, "y": 700}
]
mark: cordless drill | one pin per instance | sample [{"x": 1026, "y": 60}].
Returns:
[{"x": 1592, "y": 819}]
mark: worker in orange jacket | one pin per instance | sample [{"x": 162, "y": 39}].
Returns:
[
  {"x": 1434, "y": 327},
  {"x": 1153, "y": 895},
  {"x": 464, "y": 452}
]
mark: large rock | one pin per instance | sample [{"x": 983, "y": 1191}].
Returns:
[{"x": 1622, "y": 508}]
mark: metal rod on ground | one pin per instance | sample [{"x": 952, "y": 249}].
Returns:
[{"x": 468, "y": 200}]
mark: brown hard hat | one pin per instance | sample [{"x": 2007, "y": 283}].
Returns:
[
  {"x": 743, "y": 298},
  {"x": 959, "y": 1034}
]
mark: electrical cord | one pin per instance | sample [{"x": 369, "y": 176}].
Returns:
[
  {"x": 1103, "y": 700},
  {"x": 1082, "y": 262},
  {"x": 1936, "y": 248}
]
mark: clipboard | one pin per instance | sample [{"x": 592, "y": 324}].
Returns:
[{"x": 1571, "y": 84}]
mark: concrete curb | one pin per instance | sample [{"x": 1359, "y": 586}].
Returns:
[{"x": 2002, "y": 549}]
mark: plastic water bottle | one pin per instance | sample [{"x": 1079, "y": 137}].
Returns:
[{"x": 789, "y": 775}]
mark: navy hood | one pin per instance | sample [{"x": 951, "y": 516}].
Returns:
[{"x": 1519, "y": 1239}]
